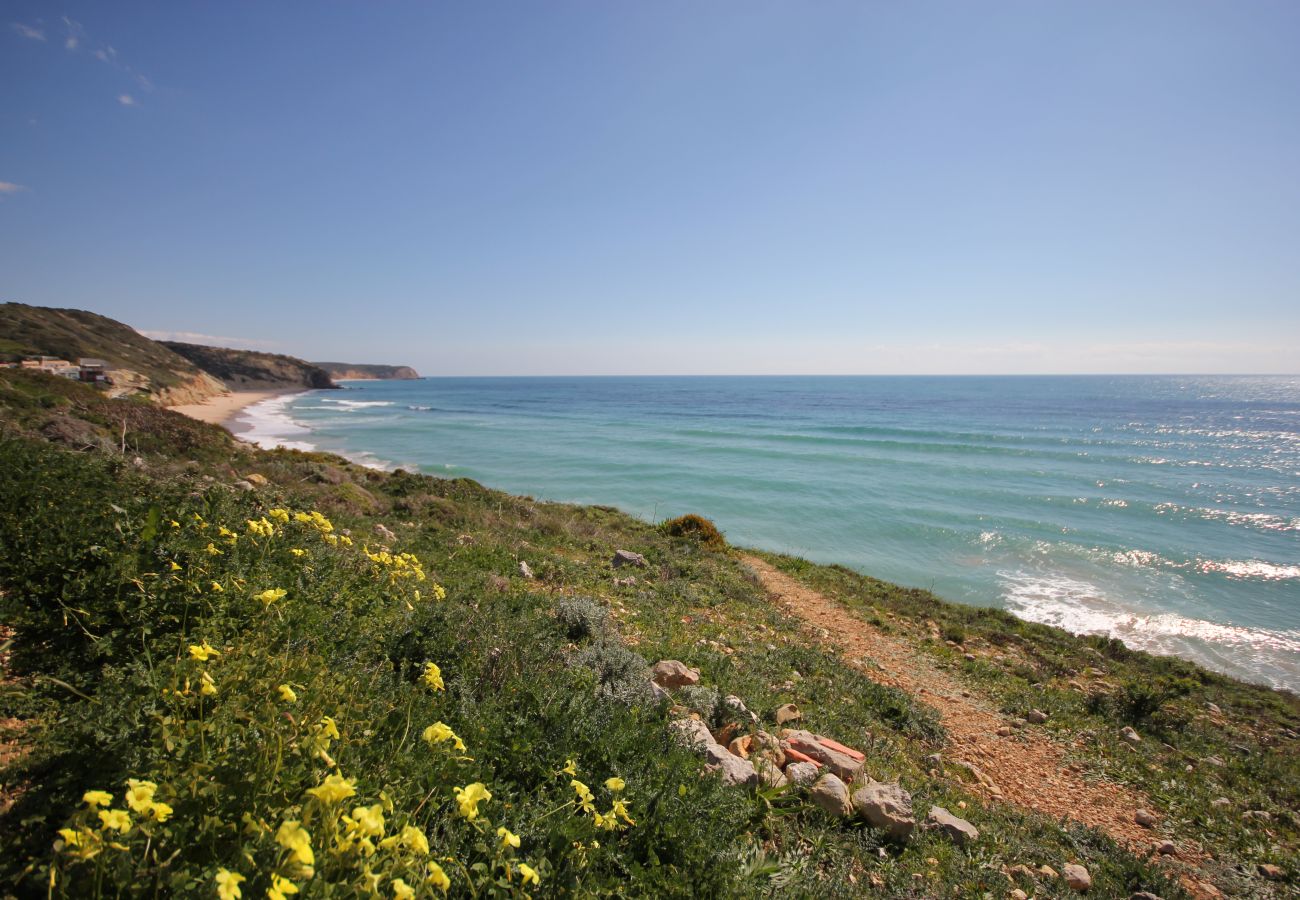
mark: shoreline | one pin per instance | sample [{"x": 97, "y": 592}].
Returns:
[{"x": 224, "y": 409}]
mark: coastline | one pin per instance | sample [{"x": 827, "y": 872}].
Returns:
[{"x": 224, "y": 409}]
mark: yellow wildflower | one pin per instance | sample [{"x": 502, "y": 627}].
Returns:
[
  {"x": 402, "y": 890},
  {"x": 139, "y": 794},
  {"x": 570, "y": 767},
  {"x": 261, "y": 527},
  {"x": 270, "y": 596},
  {"x": 176, "y": 567},
  {"x": 203, "y": 652},
  {"x": 97, "y": 798},
  {"x": 280, "y": 888},
  {"x": 331, "y": 538},
  {"x": 343, "y": 539},
  {"x": 116, "y": 819},
  {"x": 287, "y": 694},
  {"x": 614, "y": 785},
  {"x": 328, "y": 728},
  {"x": 529, "y": 874},
  {"x": 217, "y": 588},
  {"x": 71, "y": 837},
  {"x": 161, "y": 812},
  {"x": 175, "y": 524},
  {"x": 297, "y": 840},
  {"x": 413, "y": 839},
  {"x": 439, "y": 732},
  {"x": 437, "y": 877},
  {"x": 279, "y": 515},
  {"x": 298, "y": 552},
  {"x": 584, "y": 795},
  {"x": 369, "y": 820},
  {"x": 212, "y": 550},
  {"x": 508, "y": 838},
  {"x": 470, "y": 796},
  {"x": 620, "y": 810},
  {"x": 432, "y": 677},
  {"x": 333, "y": 789},
  {"x": 208, "y": 687},
  {"x": 228, "y": 884}
]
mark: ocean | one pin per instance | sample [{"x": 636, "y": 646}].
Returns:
[{"x": 1163, "y": 511}]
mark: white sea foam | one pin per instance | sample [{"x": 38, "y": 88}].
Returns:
[
  {"x": 1261, "y": 654},
  {"x": 269, "y": 424},
  {"x": 355, "y": 404}
]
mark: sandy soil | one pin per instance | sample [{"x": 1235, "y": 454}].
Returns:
[{"x": 222, "y": 410}]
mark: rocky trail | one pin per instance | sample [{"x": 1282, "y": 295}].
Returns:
[{"x": 1027, "y": 767}]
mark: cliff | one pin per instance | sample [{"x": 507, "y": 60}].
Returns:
[
  {"x": 251, "y": 370},
  {"x": 136, "y": 364},
  {"x": 362, "y": 371}
]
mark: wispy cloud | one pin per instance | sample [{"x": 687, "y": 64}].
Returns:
[
  {"x": 76, "y": 33},
  {"x": 8, "y": 187},
  {"x": 195, "y": 337},
  {"x": 126, "y": 100},
  {"x": 31, "y": 32},
  {"x": 106, "y": 54}
]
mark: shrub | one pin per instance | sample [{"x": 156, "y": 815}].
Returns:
[
  {"x": 695, "y": 528},
  {"x": 581, "y": 618}
]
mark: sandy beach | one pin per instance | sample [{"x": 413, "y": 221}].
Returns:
[{"x": 224, "y": 410}]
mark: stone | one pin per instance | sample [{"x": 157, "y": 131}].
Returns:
[
  {"x": 1270, "y": 871},
  {"x": 1215, "y": 761},
  {"x": 769, "y": 748},
  {"x": 1220, "y": 802},
  {"x": 838, "y": 762},
  {"x": 886, "y": 806},
  {"x": 1048, "y": 872},
  {"x": 658, "y": 694},
  {"x": 934, "y": 761},
  {"x": 832, "y": 795},
  {"x": 1143, "y": 895},
  {"x": 254, "y": 478},
  {"x": 1020, "y": 871},
  {"x": 1145, "y": 818},
  {"x": 1018, "y": 894},
  {"x": 670, "y": 673},
  {"x": 1036, "y": 717},
  {"x": 1128, "y": 734},
  {"x": 957, "y": 829},
  {"x": 801, "y": 773},
  {"x": 1006, "y": 731},
  {"x": 625, "y": 582},
  {"x": 1214, "y": 708},
  {"x": 788, "y": 713},
  {"x": 1166, "y": 848},
  {"x": 1077, "y": 877},
  {"x": 770, "y": 775},
  {"x": 385, "y": 532},
  {"x": 525, "y": 570},
  {"x": 244, "y": 485},
  {"x": 736, "y": 705},
  {"x": 1262, "y": 815},
  {"x": 628, "y": 558},
  {"x": 735, "y": 771},
  {"x": 693, "y": 733}
]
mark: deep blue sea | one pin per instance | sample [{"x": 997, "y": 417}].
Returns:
[{"x": 1164, "y": 511}]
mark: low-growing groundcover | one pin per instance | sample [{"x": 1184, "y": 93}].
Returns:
[{"x": 230, "y": 690}]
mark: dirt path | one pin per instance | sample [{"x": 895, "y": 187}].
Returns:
[{"x": 1027, "y": 768}]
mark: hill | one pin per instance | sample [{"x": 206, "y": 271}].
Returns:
[
  {"x": 251, "y": 370},
  {"x": 283, "y": 668},
  {"x": 138, "y": 364},
  {"x": 363, "y": 371}
]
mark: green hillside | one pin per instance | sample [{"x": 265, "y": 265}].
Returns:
[{"x": 252, "y": 369}]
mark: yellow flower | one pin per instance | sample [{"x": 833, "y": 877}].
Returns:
[
  {"x": 270, "y": 596},
  {"x": 160, "y": 811},
  {"x": 614, "y": 785},
  {"x": 331, "y": 538},
  {"x": 439, "y": 732},
  {"x": 261, "y": 527},
  {"x": 343, "y": 539},
  {"x": 529, "y": 874},
  {"x": 620, "y": 810},
  {"x": 279, "y": 515},
  {"x": 287, "y": 694},
  {"x": 71, "y": 838},
  {"x": 97, "y": 798},
  {"x": 212, "y": 550},
  {"x": 297, "y": 552},
  {"x": 570, "y": 767},
  {"x": 402, "y": 890},
  {"x": 203, "y": 652},
  {"x": 584, "y": 795},
  {"x": 470, "y": 796},
  {"x": 409, "y": 837},
  {"x": 115, "y": 819},
  {"x": 280, "y": 888},
  {"x": 333, "y": 789},
  {"x": 297, "y": 840},
  {"x": 175, "y": 524},
  {"x": 217, "y": 588},
  {"x": 327, "y": 728},
  {"x": 176, "y": 567},
  {"x": 508, "y": 838},
  {"x": 369, "y": 820},
  {"x": 439, "y": 592},
  {"x": 208, "y": 686},
  {"x": 432, "y": 676},
  {"x": 437, "y": 877},
  {"x": 228, "y": 884}
]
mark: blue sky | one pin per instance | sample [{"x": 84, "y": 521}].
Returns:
[{"x": 676, "y": 187}]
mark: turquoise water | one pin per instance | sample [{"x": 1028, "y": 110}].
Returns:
[{"x": 1164, "y": 511}]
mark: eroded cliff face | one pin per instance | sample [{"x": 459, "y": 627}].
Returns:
[
  {"x": 367, "y": 372},
  {"x": 196, "y": 389},
  {"x": 252, "y": 370}
]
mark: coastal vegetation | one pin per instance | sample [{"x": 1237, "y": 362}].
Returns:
[
  {"x": 249, "y": 370},
  {"x": 244, "y": 673}
]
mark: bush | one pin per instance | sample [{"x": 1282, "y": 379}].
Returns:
[
  {"x": 581, "y": 618},
  {"x": 695, "y": 528}
]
